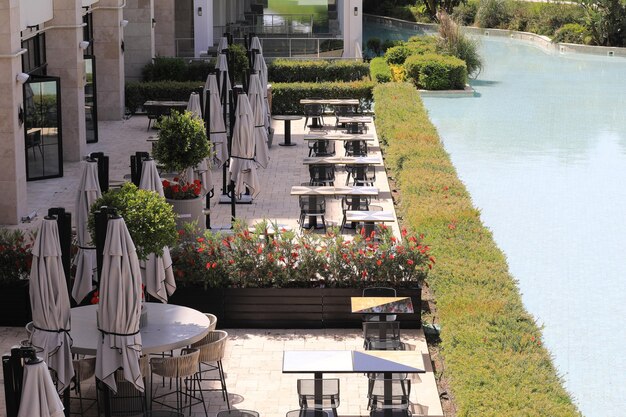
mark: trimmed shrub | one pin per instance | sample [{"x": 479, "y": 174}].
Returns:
[
  {"x": 292, "y": 71},
  {"x": 176, "y": 69},
  {"x": 286, "y": 96},
  {"x": 422, "y": 44},
  {"x": 573, "y": 33},
  {"x": 495, "y": 361},
  {"x": 137, "y": 93},
  {"x": 436, "y": 72},
  {"x": 379, "y": 70},
  {"x": 493, "y": 14},
  {"x": 374, "y": 45},
  {"x": 397, "y": 54},
  {"x": 390, "y": 43}
]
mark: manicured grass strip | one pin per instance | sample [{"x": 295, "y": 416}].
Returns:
[{"x": 492, "y": 347}]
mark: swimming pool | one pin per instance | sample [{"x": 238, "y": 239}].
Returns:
[{"x": 542, "y": 151}]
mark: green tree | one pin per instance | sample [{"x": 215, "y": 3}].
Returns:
[{"x": 606, "y": 21}]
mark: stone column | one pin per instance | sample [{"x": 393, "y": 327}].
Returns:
[
  {"x": 13, "y": 204},
  {"x": 65, "y": 60},
  {"x": 107, "y": 34},
  {"x": 138, "y": 37},
  {"x": 165, "y": 28}
]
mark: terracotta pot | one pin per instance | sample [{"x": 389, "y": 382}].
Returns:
[{"x": 188, "y": 211}]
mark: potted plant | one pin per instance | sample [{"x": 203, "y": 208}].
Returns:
[
  {"x": 149, "y": 218},
  {"x": 15, "y": 262},
  {"x": 182, "y": 144}
]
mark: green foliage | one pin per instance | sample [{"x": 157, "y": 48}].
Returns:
[
  {"x": 543, "y": 18},
  {"x": 396, "y": 55},
  {"x": 606, "y": 21},
  {"x": 253, "y": 259},
  {"x": 291, "y": 71},
  {"x": 375, "y": 46},
  {"x": 390, "y": 43},
  {"x": 454, "y": 42},
  {"x": 182, "y": 143},
  {"x": 379, "y": 70},
  {"x": 494, "y": 359},
  {"x": 433, "y": 7},
  {"x": 422, "y": 44},
  {"x": 465, "y": 13},
  {"x": 436, "y": 72},
  {"x": 15, "y": 256},
  {"x": 137, "y": 93},
  {"x": 149, "y": 218},
  {"x": 176, "y": 69},
  {"x": 286, "y": 96},
  {"x": 493, "y": 14},
  {"x": 572, "y": 33},
  {"x": 239, "y": 61}
]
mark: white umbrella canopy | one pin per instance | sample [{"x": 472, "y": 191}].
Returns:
[
  {"x": 261, "y": 68},
  {"x": 85, "y": 261},
  {"x": 222, "y": 44},
  {"x": 256, "y": 44},
  {"x": 202, "y": 171},
  {"x": 193, "y": 105},
  {"x": 119, "y": 308},
  {"x": 50, "y": 304},
  {"x": 39, "y": 398},
  {"x": 242, "y": 166},
  {"x": 222, "y": 65},
  {"x": 217, "y": 128},
  {"x": 157, "y": 273},
  {"x": 257, "y": 105}
]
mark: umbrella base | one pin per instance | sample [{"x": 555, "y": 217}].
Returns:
[{"x": 244, "y": 199}]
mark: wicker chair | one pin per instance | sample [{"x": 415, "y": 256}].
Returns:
[
  {"x": 330, "y": 394},
  {"x": 211, "y": 352},
  {"x": 178, "y": 368}
]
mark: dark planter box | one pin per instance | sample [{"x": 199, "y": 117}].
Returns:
[
  {"x": 285, "y": 308},
  {"x": 15, "y": 305}
]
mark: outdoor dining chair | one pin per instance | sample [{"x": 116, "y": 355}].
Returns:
[
  {"x": 400, "y": 391},
  {"x": 312, "y": 206},
  {"x": 309, "y": 412},
  {"x": 330, "y": 394},
  {"x": 211, "y": 352},
  {"x": 379, "y": 292},
  {"x": 382, "y": 335},
  {"x": 353, "y": 203},
  {"x": 321, "y": 147},
  {"x": 314, "y": 111},
  {"x": 322, "y": 174},
  {"x": 361, "y": 175},
  {"x": 376, "y": 385},
  {"x": 355, "y": 148},
  {"x": 342, "y": 110}
]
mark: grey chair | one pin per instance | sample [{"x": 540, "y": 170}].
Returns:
[
  {"x": 382, "y": 335},
  {"x": 361, "y": 175},
  {"x": 330, "y": 394},
  {"x": 400, "y": 391},
  {"x": 322, "y": 174},
  {"x": 313, "y": 207}
]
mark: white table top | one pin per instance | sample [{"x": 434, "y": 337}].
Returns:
[
  {"x": 352, "y": 361},
  {"x": 369, "y": 216},
  {"x": 344, "y": 160},
  {"x": 333, "y": 191},
  {"x": 169, "y": 327},
  {"x": 331, "y": 101}
]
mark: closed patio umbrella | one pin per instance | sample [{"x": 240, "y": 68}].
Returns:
[
  {"x": 217, "y": 128},
  {"x": 194, "y": 105},
  {"x": 157, "y": 273},
  {"x": 242, "y": 166},
  {"x": 39, "y": 398},
  {"x": 50, "y": 304},
  {"x": 222, "y": 44},
  {"x": 257, "y": 104},
  {"x": 222, "y": 65},
  {"x": 261, "y": 68},
  {"x": 119, "y": 308},
  {"x": 202, "y": 172},
  {"x": 85, "y": 261},
  {"x": 256, "y": 44}
]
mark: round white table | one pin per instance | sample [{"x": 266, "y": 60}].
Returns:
[{"x": 169, "y": 327}]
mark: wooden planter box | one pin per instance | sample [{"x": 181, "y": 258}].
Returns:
[
  {"x": 285, "y": 308},
  {"x": 15, "y": 305}
]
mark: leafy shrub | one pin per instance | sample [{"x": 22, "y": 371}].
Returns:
[
  {"x": 465, "y": 13},
  {"x": 572, "y": 33},
  {"x": 436, "y": 72},
  {"x": 149, "y": 218},
  {"x": 374, "y": 45},
  {"x": 15, "y": 256},
  {"x": 543, "y": 18},
  {"x": 493, "y": 14},
  {"x": 397, "y": 54},
  {"x": 454, "y": 42},
  {"x": 176, "y": 69},
  {"x": 422, "y": 44},
  {"x": 239, "y": 61},
  {"x": 286, "y": 96},
  {"x": 379, "y": 70},
  {"x": 138, "y": 93},
  {"x": 398, "y": 73},
  {"x": 390, "y": 43},
  {"x": 291, "y": 71}
]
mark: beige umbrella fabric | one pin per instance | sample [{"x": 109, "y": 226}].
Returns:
[
  {"x": 222, "y": 65},
  {"x": 39, "y": 397},
  {"x": 50, "y": 304},
  {"x": 222, "y": 44},
  {"x": 242, "y": 167},
  {"x": 201, "y": 172},
  {"x": 119, "y": 308},
  {"x": 157, "y": 273},
  {"x": 217, "y": 128},
  {"x": 85, "y": 261},
  {"x": 193, "y": 105},
  {"x": 261, "y": 68},
  {"x": 258, "y": 110},
  {"x": 256, "y": 44}
]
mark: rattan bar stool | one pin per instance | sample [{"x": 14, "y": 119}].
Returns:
[{"x": 211, "y": 352}]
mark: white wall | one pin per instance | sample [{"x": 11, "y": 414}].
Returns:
[
  {"x": 203, "y": 26},
  {"x": 35, "y": 12},
  {"x": 352, "y": 26}
]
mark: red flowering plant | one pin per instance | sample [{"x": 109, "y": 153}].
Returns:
[
  {"x": 15, "y": 256},
  {"x": 176, "y": 191}
]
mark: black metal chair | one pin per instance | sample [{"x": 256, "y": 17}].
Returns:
[
  {"x": 312, "y": 206},
  {"x": 400, "y": 391},
  {"x": 314, "y": 111},
  {"x": 361, "y": 175},
  {"x": 353, "y": 203},
  {"x": 343, "y": 110},
  {"x": 322, "y": 174},
  {"x": 330, "y": 394},
  {"x": 321, "y": 147},
  {"x": 355, "y": 148},
  {"x": 382, "y": 335}
]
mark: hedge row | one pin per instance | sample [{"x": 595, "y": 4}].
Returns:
[
  {"x": 379, "y": 70},
  {"x": 436, "y": 72},
  {"x": 286, "y": 96},
  {"x": 177, "y": 69},
  {"x": 293, "y": 71},
  {"x": 137, "y": 93},
  {"x": 495, "y": 362}
]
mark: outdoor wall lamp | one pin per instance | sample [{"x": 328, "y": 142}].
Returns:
[
  {"x": 199, "y": 11},
  {"x": 83, "y": 45},
  {"x": 356, "y": 11},
  {"x": 20, "y": 115},
  {"x": 123, "y": 23},
  {"x": 21, "y": 78}
]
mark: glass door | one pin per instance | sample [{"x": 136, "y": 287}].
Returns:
[
  {"x": 42, "y": 133},
  {"x": 91, "y": 109}
]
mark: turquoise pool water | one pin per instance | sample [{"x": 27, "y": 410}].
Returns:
[{"x": 542, "y": 150}]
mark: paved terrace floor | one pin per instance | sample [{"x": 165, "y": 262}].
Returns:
[{"x": 253, "y": 360}]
